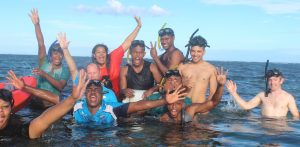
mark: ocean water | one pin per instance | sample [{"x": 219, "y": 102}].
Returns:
[{"x": 226, "y": 125}]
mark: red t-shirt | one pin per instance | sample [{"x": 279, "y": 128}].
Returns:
[{"x": 116, "y": 57}]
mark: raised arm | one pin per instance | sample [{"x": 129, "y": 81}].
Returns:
[
  {"x": 64, "y": 44},
  {"x": 126, "y": 44},
  {"x": 231, "y": 86},
  {"x": 39, "y": 93},
  {"x": 148, "y": 104},
  {"x": 293, "y": 107},
  {"x": 153, "y": 52},
  {"x": 216, "y": 98},
  {"x": 34, "y": 15},
  {"x": 39, "y": 125}
]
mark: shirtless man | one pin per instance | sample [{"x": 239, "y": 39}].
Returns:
[
  {"x": 199, "y": 73},
  {"x": 276, "y": 104},
  {"x": 172, "y": 57}
]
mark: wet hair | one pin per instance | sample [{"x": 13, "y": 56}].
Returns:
[
  {"x": 54, "y": 47},
  {"x": 198, "y": 41},
  {"x": 136, "y": 43},
  {"x": 6, "y": 96},
  {"x": 107, "y": 55}
]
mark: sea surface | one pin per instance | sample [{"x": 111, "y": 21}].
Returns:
[{"x": 226, "y": 125}]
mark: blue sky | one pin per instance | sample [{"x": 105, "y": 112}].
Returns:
[{"x": 236, "y": 30}]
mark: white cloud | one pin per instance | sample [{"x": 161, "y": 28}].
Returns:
[
  {"x": 69, "y": 25},
  {"x": 156, "y": 10},
  {"x": 270, "y": 6},
  {"x": 117, "y": 8}
]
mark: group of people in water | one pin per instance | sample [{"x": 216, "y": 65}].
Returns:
[{"x": 173, "y": 88}]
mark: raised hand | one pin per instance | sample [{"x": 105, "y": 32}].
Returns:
[
  {"x": 138, "y": 21},
  {"x": 221, "y": 75},
  {"x": 34, "y": 15},
  {"x": 147, "y": 93},
  {"x": 153, "y": 51},
  {"x": 231, "y": 86},
  {"x": 78, "y": 91},
  {"x": 128, "y": 92},
  {"x": 176, "y": 95},
  {"x": 14, "y": 80},
  {"x": 37, "y": 71},
  {"x": 62, "y": 39}
]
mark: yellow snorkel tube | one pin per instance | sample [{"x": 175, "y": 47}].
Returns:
[{"x": 158, "y": 39}]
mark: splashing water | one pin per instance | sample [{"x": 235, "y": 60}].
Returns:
[{"x": 230, "y": 105}]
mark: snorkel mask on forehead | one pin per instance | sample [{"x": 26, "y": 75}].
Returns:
[
  {"x": 273, "y": 73},
  {"x": 170, "y": 73},
  {"x": 136, "y": 43},
  {"x": 165, "y": 31}
]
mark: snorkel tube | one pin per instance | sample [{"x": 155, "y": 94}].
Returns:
[
  {"x": 158, "y": 38},
  {"x": 186, "y": 59},
  {"x": 266, "y": 79}
]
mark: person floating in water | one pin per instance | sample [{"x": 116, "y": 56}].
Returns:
[
  {"x": 140, "y": 74},
  {"x": 172, "y": 57},
  {"x": 178, "y": 112},
  {"x": 52, "y": 75},
  {"x": 110, "y": 64},
  {"x": 199, "y": 73},
  {"x": 276, "y": 104}
]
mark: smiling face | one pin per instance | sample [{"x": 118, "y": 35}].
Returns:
[
  {"x": 175, "y": 108},
  {"x": 167, "y": 41},
  {"x": 94, "y": 96},
  {"x": 56, "y": 58},
  {"x": 197, "y": 53},
  {"x": 137, "y": 54},
  {"x": 5, "y": 110},
  {"x": 275, "y": 82},
  {"x": 172, "y": 83},
  {"x": 93, "y": 71},
  {"x": 100, "y": 55}
]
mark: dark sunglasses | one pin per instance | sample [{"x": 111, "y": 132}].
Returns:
[
  {"x": 136, "y": 43},
  {"x": 272, "y": 73},
  {"x": 170, "y": 73},
  {"x": 165, "y": 31}
]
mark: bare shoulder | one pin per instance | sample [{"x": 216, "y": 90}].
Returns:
[
  {"x": 177, "y": 53},
  {"x": 209, "y": 67},
  {"x": 289, "y": 96},
  {"x": 260, "y": 95},
  {"x": 164, "y": 118},
  {"x": 124, "y": 70}
]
